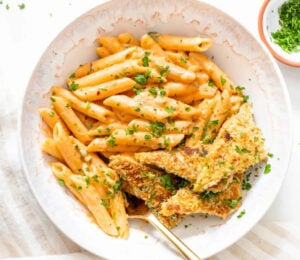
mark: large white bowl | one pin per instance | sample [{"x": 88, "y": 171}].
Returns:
[{"x": 235, "y": 50}]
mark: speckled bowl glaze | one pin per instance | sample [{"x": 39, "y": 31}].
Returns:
[
  {"x": 268, "y": 22},
  {"x": 235, "y": 50}
]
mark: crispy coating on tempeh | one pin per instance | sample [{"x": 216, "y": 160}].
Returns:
[
  {"x": 238, "y": 146},
  {"x": 144, "y": 183},
  {"x": 220, "y": 204}
]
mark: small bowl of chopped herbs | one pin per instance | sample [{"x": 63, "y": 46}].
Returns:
[{"x": 279, "y": 29}]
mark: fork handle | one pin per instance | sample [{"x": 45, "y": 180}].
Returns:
[{"x": 185, "y": 251}]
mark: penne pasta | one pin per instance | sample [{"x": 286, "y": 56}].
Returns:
[
  {"x": 104, "y": 62},
  {"x": 133, "y": 107},
  {"x": 112, "y": 44},
  {"x": 102, "y": 52},
  {"x": 90, "y": 109},
  {"x": 220, "y": 79},
  {"x": 181, "y": 43},
  {"x": 49, "y": 147},
  {"x": 63, "y": 108},
  {"x": 104, "y": 90}
]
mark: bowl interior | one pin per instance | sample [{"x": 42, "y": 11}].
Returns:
[{"x": 235, "y": 50}]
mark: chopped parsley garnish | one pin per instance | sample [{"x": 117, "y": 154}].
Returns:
[
  {"x": 104, "y": 203},
  {"x": 167, "y": 182},
  {"x": 210, "y": 83},
  {"x": 183, "y": 59},
  {"x": 207, "y": 139},
  {"x": 137, "y": 109},
  {"x": 208, "y": 195},
  {"x": 142, "y": 78},
  {"x": 212, "y": 122},
  {"x": 21, "y": 6},
  {"x": 153, "y": 91},
  {"x": 157, "y": 128},
  {"x": 147, "y": 137},
  {"x": 241, "y": 214},
  {"x": 73, "y": 86},
  {"x": 111, "y": 141},
  {"x": 131, "y": 130},
  {"x": 61, "y": 182},
  {"x": 270, "y": 155},
  {"x": 240, "y": 89},
  {"x": 223, "y": 80},
  {"x": 145, "y": 59},
  {"x": 246, "y": 185},
  {"x": 163, "y": 70},
  {"x": 117, "y": 186},
  {"x": 162, "y": 93},
  {"x": 148, "y": 175},
  {"x": 137, "y": 90},
  {"x": 241, "y": 150},
  {"x": 288, "y": 36},
  {"x": 245, "y": 98},
  {"x": 170, "y": 109},
  {"x": 267, "y": 168}
]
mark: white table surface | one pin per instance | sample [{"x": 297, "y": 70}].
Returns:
[{"x": 26, "y": 33}]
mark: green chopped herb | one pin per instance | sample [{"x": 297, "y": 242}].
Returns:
[
  {"x": 137, "y": 109},
  {"x": 153, "y": 91},
  {"x": 270, "y": 155},
  {"x": 140, "y": 79},
  {"x": 240, "y": 89},
  {"x": 241, "y": 150},
  {"x": 163, "y": 70},
  {"x": 183, "y": 59},
  {"x": 170, "y": 109},
  {"x": 187, "y": 108},
  {"x": 73, "y": 86},
  {"x": 111, "y": 140},
  {"x": 87, "y": 105},
  {"x": 208, "y": 195},
  {"x": 267, "y": 168},
  {"x": 7, "y": 7},
  {"x": 223, "y": 80},
  {"x": 245, "y": 98},
  {"x": 51, "y": 113},
  {"x": 241, "y": 214},
  {"x": 21, "y": 6},
  {"x": 212, "y": 122},
  {"x": 152, "y": 195},
  {"x": 157, "y": 128},
  {"x": 246, "y": 185},
  {"x": 147, "y": 137},
  {"x": 61, "y": 182},
  {"x": 162, "y": 93},
  {"x": 148, "y": 175},
  {"x": 131, "y": 130},
  {"x": 145, "y": 59},
  {"x": 104, "y": 203},
  {"x": 79, "y": 188},
  {"x": 87, "y": 181},
  {"x": 117, "y": 186},
  {"x": 210, "y": 83},
  {"x": 95, "y": 178},
  {"x": 207, "y": 139},
  {"x": 167, "y": 182},
  {"x": 137, "y": 90},
  {"x": 288, "y": 36}
]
